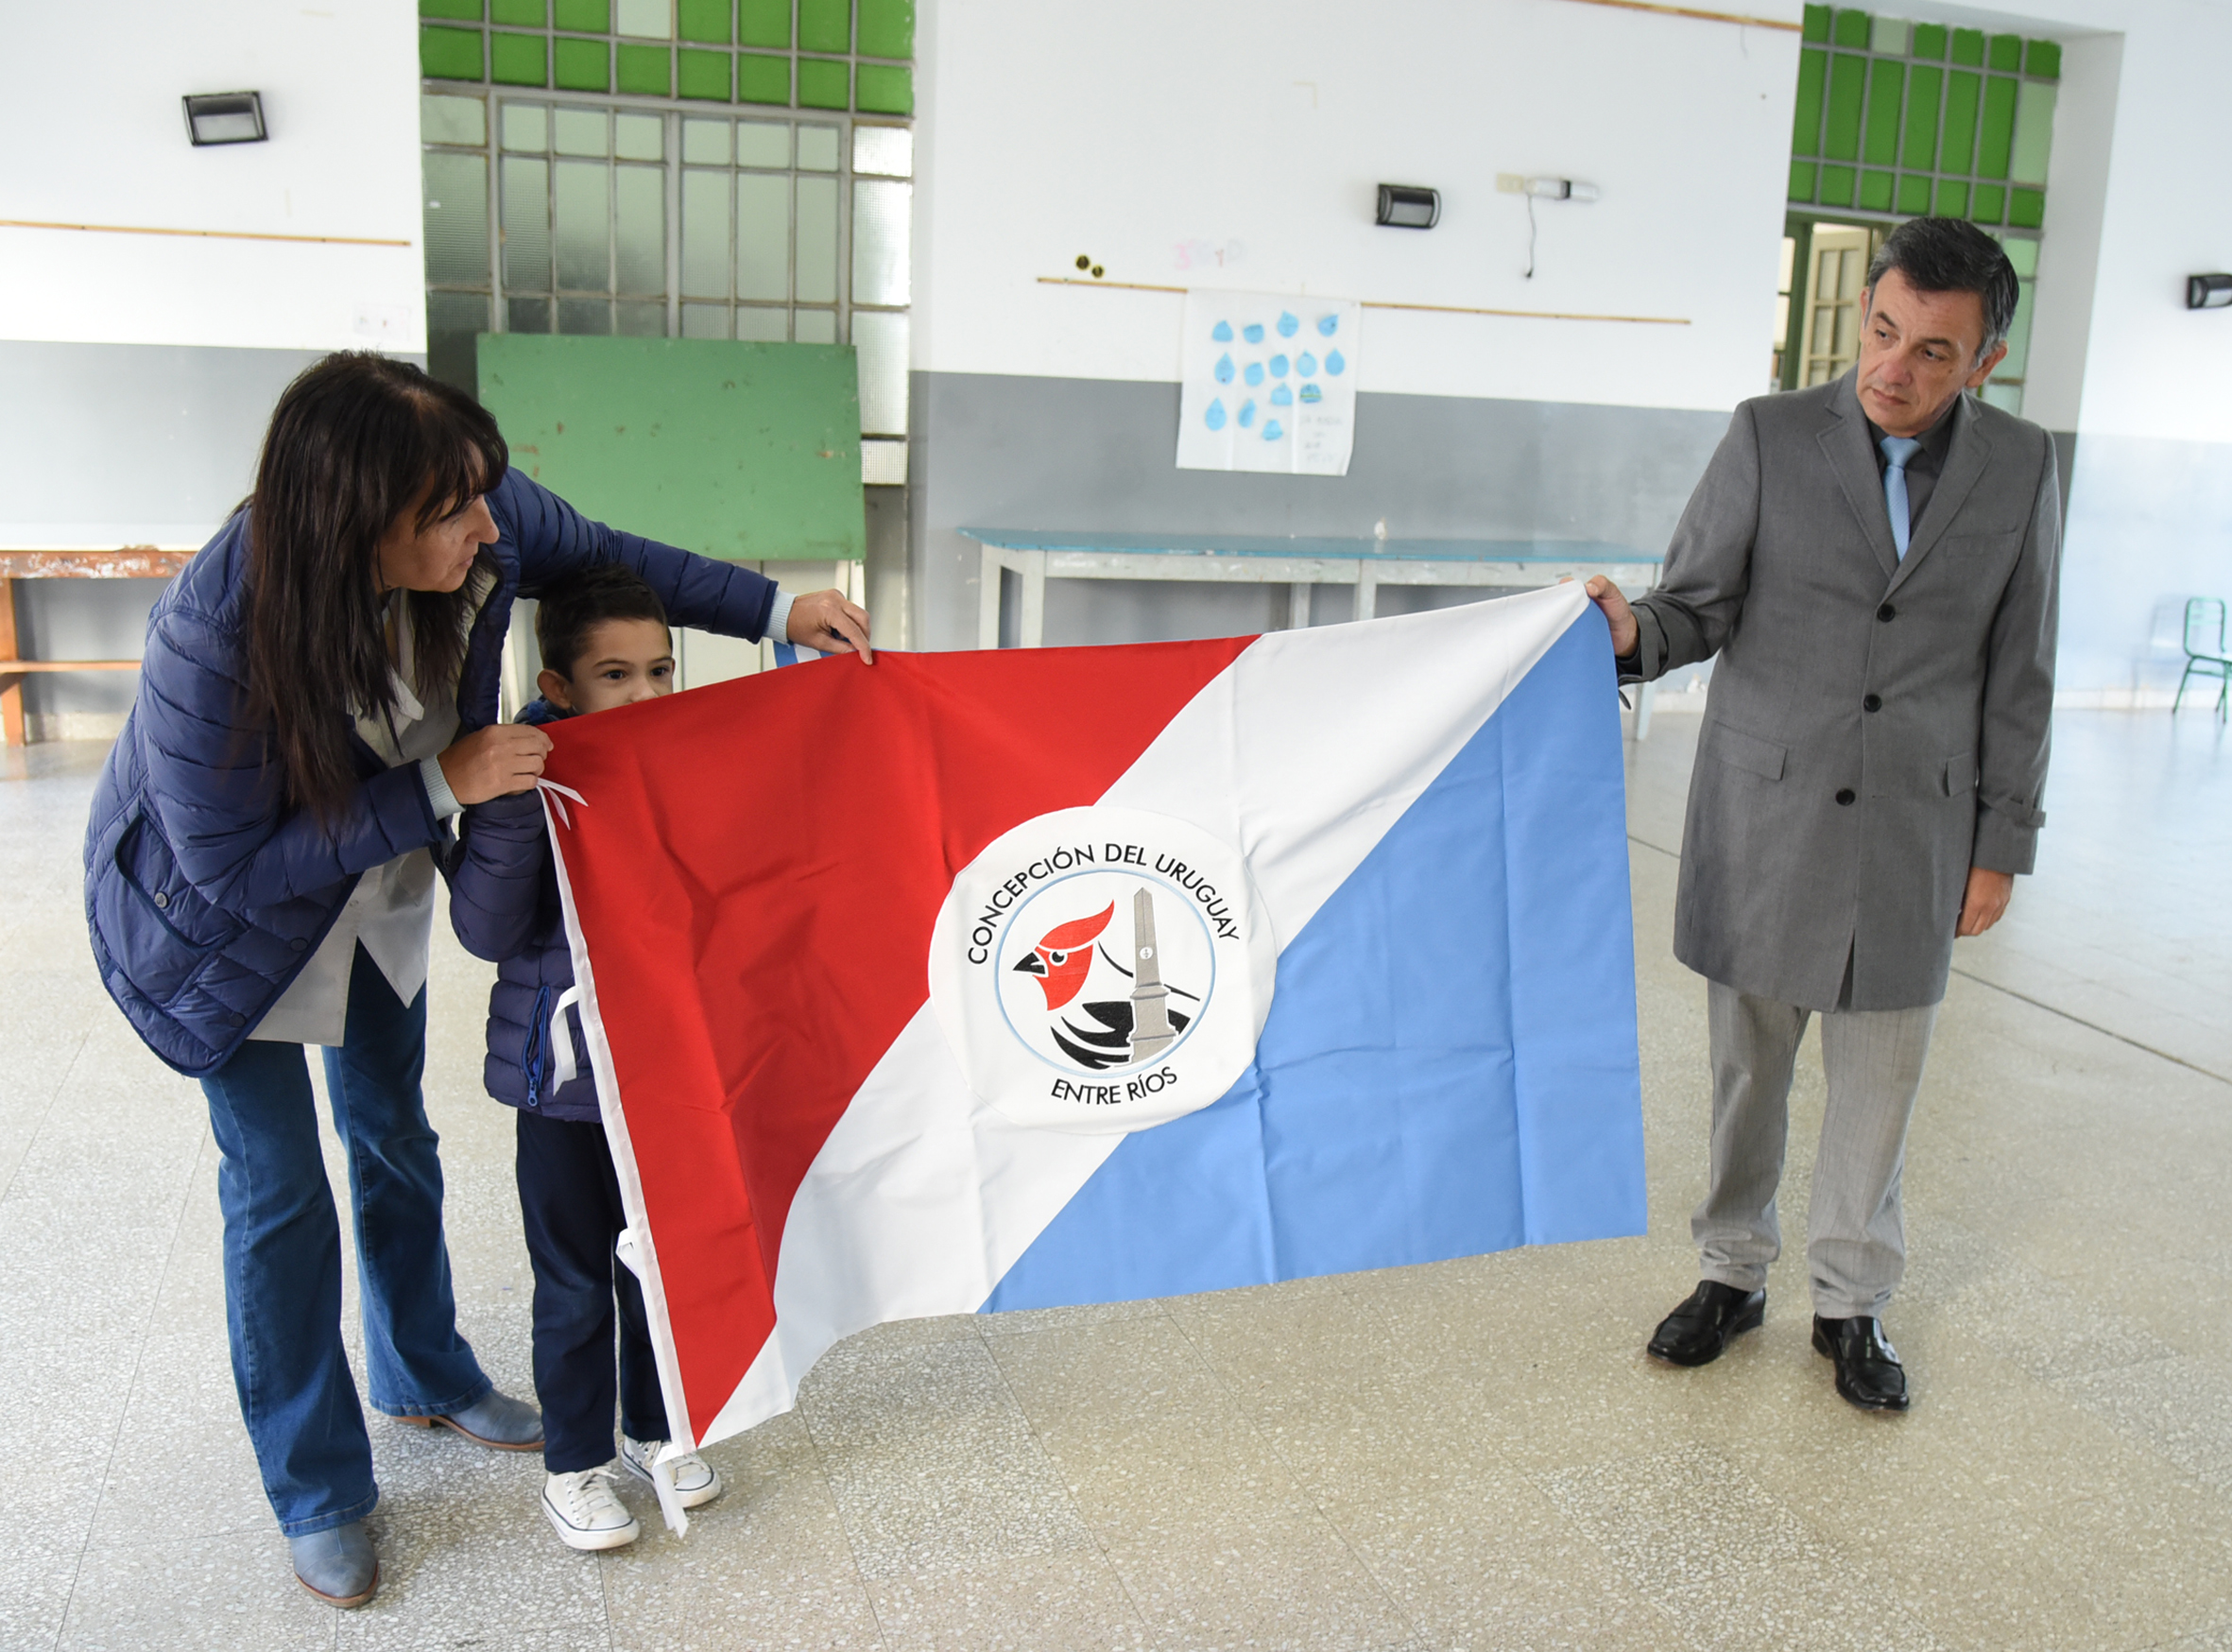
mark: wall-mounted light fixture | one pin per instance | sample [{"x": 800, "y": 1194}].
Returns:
[
  {"x": 2208, "y": 292},
  {"x": 1407, "y": 206},
  {"x": 224, "y": 117}
]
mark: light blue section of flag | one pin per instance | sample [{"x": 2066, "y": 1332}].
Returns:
[{"x": 1449, "y": 1064}]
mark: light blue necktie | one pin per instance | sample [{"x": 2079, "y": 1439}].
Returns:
[{"x": 1896, "y": 451}]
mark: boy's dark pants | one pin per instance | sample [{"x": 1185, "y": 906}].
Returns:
[{"x": 569, "y": 1196}]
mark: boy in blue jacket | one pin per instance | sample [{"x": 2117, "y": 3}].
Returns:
[{"x": 604, "y": 643}]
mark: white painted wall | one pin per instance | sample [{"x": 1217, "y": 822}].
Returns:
[
  {"x": 1160, "y": 134},
  {"x": 340, "y": 97}
]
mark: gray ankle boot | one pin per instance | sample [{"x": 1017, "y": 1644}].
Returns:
[
  {"x": 496, "y": 1420},
  {"x": 338, "y": 1565}
]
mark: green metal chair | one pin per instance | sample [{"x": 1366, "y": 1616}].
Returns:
[{"x": 2202, "y": 655}]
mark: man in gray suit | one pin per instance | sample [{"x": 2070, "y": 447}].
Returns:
[{"x": 1873, "y": 562}]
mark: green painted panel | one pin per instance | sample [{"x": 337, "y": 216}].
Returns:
[
  {"x": 2043, "y": 58},
  {"x": 762, "y": 79},
  {"x": 702, "y": 74},
  {"x": 824, "y": 26},
  {"x": 2015, "y": 363},
  {"x": 1968, "y": 47},
  {"x": 2033, "y": 132},
  {"x": 1952, "y": 199},
  {"x": 518, "y": 60},
  {"x": 1988, "y": 205},
  {"x": 1847, "y": 83},
  {"x": 823, "y": 84},
  {"x": 528, "y": 13},
  {"x": 1887, "y": 84},
  {"x": 1994, "y": 138},
  {"x": 1875, "y": 191},
  {"x": 583, "y": 65},
  {"x": 1817, "y": 27},
  {"x": 885, "y": 89},
  {"x": 1836, "y": 186},
  {"x": 763, "y": 22},
  {"x": 708, "y": 22},
  {"x": 1814, "y": 69},
  {"x": 1930, "y": 41},
  {"x": 1803, "y": 181},
  {"x": 888, "y": 29},
  {"x": 2026, "y": 208},
  {"x": 739, "y": 451},
  {"x": 1852, "y": 29},
  {"x": 1956, "y": 148},
  {"x": 2006, "y": 54},
  {"x": 449, "y": 53},
  {"x": 586, "y": 16},
  {"x": 463, "y": 11},
  {"x": 645, "y": 70},
  {"x": 1924, "y": 86},
  {"x": 1914, "y": 196}
]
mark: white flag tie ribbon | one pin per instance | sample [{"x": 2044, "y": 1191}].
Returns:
[
  {"x": 558, "y": 792},
  {"x": 562, "y": 1071}
]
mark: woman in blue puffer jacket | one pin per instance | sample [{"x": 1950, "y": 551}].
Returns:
[{"x": 318, "y": 701}]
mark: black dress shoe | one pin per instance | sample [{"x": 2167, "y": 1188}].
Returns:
[
  {"x": 1869, "y": 1372},
  {"x": 1697, "y": 1332}
]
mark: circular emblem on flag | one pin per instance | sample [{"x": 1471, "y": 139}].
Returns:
[{"x": 1102, "y": 970}]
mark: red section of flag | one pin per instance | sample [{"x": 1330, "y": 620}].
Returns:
[{"x": 757, "y": 872}]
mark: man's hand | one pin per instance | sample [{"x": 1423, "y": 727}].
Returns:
[
  {"x": 497, "y": 762},
  {"x": 824, "y": 620},
  {"x": 1617, "y": 613},
  {"x": 1986, "y": 900}
]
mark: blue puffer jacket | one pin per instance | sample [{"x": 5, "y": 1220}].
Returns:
[
  {"x": 504, "y": 905},
  {"x": 204, "y": 892}
]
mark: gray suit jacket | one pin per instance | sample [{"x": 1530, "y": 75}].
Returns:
[{"x": 1821, "y": 830}]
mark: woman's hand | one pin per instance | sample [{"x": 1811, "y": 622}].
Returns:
[{"x": 497, "y": 762}]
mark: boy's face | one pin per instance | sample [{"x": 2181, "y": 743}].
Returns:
[{"x": 622, "y": 661}]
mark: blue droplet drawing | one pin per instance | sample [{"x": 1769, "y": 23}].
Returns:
[
  {"x": 1288, "y": 326},
  {"x": 1306, "y": 365},
  {"x": 1224, "y": 370},
  {"x": 1335, "y": 364},
  {"x": 1222, "y": 333},
  {"x": 1247, "y": 414},
  {"x": 1214, "y": 418},
  {"x": 1255, "y": 372},
  {"x": 1283, "y": 397},
  {"x": 1272, "y": 430},
  {"x": 1312, "y": 394},
  {"x": 1326, "y": 324},
  {"x": 1278, "y": 366},
  {"x": 1253, "y": 332}
]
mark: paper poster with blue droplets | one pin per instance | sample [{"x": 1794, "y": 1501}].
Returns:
[{"x": 1270, "y": 384}]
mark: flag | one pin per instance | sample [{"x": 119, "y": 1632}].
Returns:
[{"x": 995, "y": 980}]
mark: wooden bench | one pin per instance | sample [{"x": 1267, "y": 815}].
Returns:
[{"x": 130, "y": 562}]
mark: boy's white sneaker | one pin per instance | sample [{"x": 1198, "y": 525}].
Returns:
[
  {"x": 585, "y": 1514},
  {"x": 695, "y": 1481}
]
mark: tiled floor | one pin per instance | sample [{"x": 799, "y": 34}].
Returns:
[{"x": 1473, "y": 1454}]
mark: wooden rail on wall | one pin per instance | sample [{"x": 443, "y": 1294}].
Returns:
[
  {"x": 1141, "y": 286},
  {"x": 129, "y": 563}
]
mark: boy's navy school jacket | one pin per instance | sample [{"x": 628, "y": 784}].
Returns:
[{"x": 504, "y": 905}]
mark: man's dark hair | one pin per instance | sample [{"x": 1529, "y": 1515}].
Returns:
[
  {"x": 576, "y": 604},
  {"x": 1952, "y": 255}
]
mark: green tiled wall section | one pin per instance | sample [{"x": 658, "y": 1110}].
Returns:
[
  {"x": 1908, "y": 118},
  {"x": 802, "y": 54}
]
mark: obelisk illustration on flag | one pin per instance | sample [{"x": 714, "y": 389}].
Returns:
[{"x": 1019, "y": 978}]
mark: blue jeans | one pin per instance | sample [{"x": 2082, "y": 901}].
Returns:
[{"x": 283, "y": 1254}]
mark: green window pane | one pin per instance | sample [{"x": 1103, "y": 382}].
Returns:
[
  {"x": 2043, "y": 58},
  {"x": 644, "y": 70},
  {"x": 1887, "y": 83},
  {"x": 518, "y": 60},
  {"x": 464, "y": 10},
  {"x": 2017, "y": 359},
  {"x": 584, "y": 65},
  {"x": 1968, "y": 47},
  {"x": 2026, "y": 208},
  {"x": 1817, "y": 24},
  {"x": 1989, "y": 204},
  {"x": 762, "y": 79},
  {"x": 1848, "y": 79},
  {"x": 763, "y": 22},
  {"x": 1952, "y": 199},
  {"x": 824, "y": 26},
  {"x": 1803, "y": 179},
  {"x": 1813, "y": 69},
  {"x": 703, "y": 74},
  {"x": 1956, "y": 149},
  {"x": 586, "y": 16},
  {"x": 885, "y": 89},
  {"x": 1889, "y": 36},
  {"x": 1836, "y": 186},
  {"x": 1875, "y": 191},
  {"x": 1914, "y": 196},
  {"x": 449, "y": 53},
  {"x": 823, "y": 84},
  {"x": 888, "y": 29},
  {"x": 703, "y": 20},
  {"x": 1924, "y": 84},
  {"x": 1995, "y": 135},
  {"x": 2033, "y": 132},
  {"x": 1852, "y": 29},
  {"x": 2007, "y": 53},
  {"x": 1930, "y": 41},
  {"x": 529, "y": 13}
]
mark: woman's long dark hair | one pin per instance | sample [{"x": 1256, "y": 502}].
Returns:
[{"x": 356, "y": 442}]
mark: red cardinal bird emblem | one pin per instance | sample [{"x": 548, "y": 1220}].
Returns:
[
  {"x": 1063, "y": 957},
  {"x": 1062, "y": 960}
]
